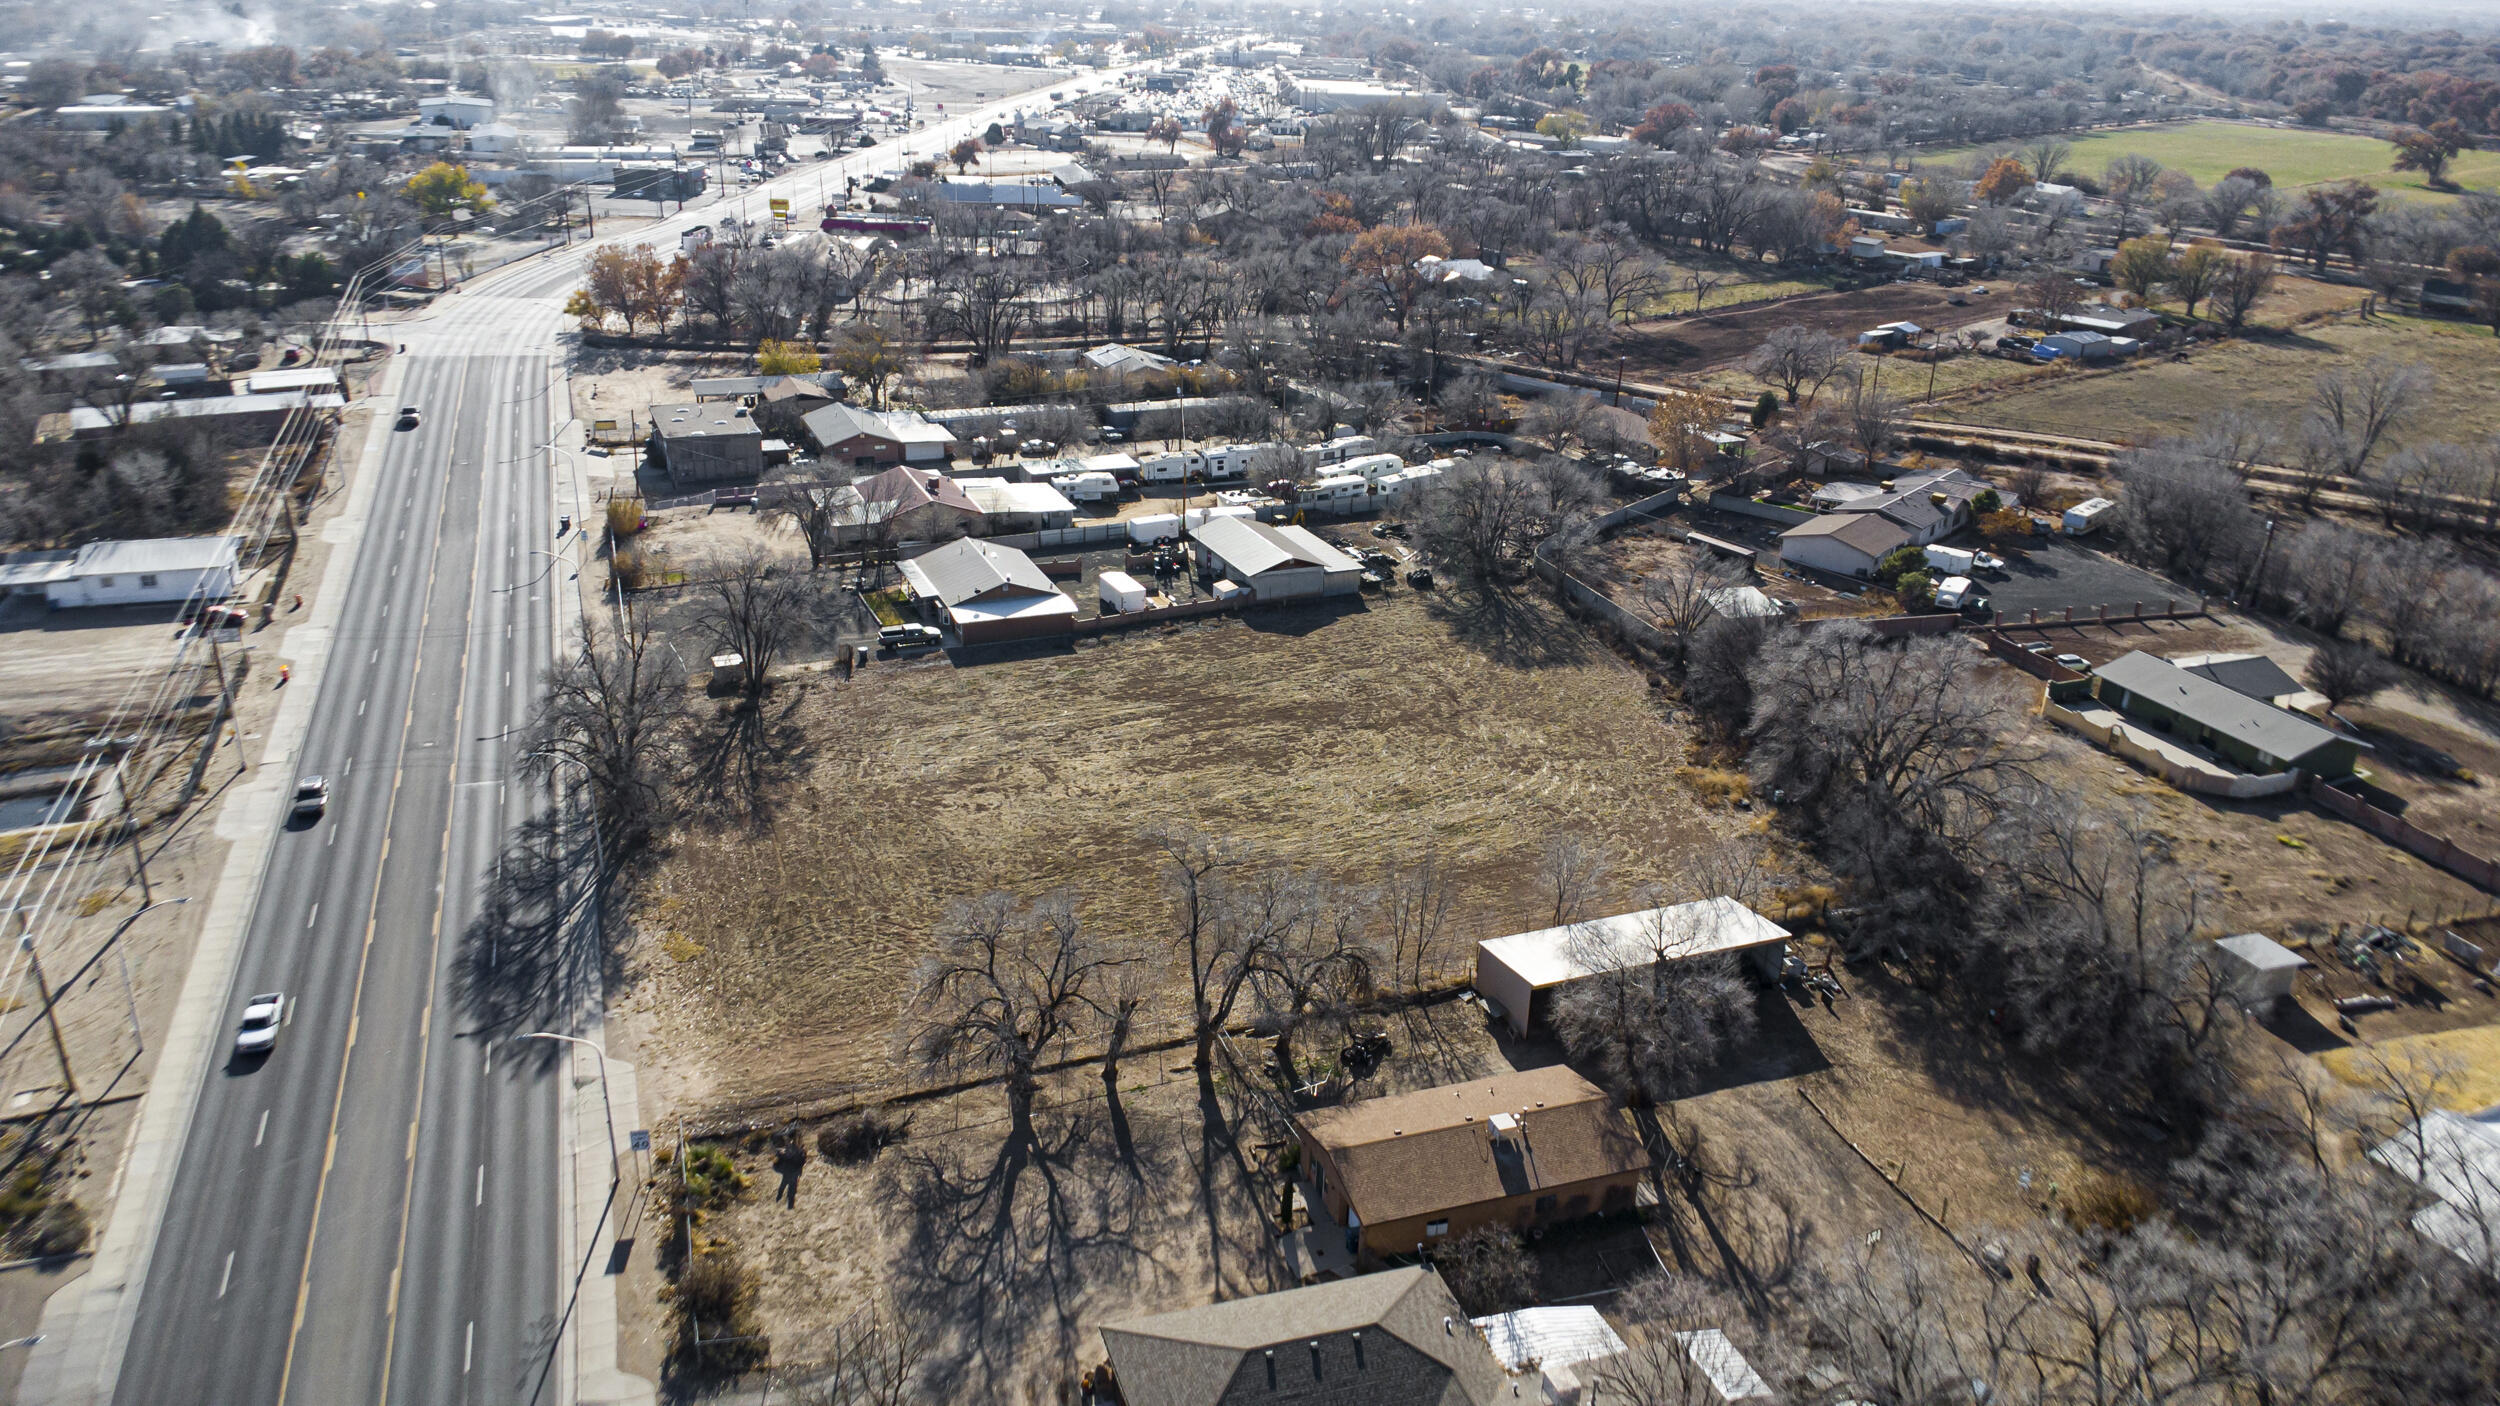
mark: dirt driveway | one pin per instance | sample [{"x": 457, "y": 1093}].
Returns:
[{"x": 1685, "y": 345}]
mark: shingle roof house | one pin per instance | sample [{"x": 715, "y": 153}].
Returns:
[
  {"x": 1520, "y": 1149},
  {"x": 1396, "y": 1338},
  {"x": 990, "y": 593}
]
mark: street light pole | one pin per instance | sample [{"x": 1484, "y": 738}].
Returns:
[{"x": 606, "y": 1107}]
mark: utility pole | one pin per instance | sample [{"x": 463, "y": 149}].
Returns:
[{"x": 43, "y": 989}]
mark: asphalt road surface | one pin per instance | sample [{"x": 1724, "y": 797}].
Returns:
[{"x": 370, "y": 1214}]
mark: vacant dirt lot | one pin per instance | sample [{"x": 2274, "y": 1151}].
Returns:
[
  {"x": 772, "y": 956},
  {"x": 1686, "y": 345}
]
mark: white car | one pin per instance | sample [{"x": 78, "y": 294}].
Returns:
[
  {"x": 1987, "y": 562},
  {"x": 262, "y": 1015}
]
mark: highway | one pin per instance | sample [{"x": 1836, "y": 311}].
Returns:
[{"x": 372, "y": 1213}]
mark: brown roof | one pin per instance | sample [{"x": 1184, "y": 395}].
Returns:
[{"x": 1410, "y": 1154}]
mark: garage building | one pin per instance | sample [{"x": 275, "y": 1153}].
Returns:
[{"x": 1275, "y": 563}]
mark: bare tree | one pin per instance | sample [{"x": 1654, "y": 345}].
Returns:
[
  {"x": 1680, "y": 597},
  {"x": 1414, "y": 900},
  {"x": 1489, "y": 518},
  {"x": 2344, "y": 672},
  {"x": 1320, "y": 963},
  {"x": 874, "y": 1360},
  {"x": 2243, "y": 284},
  {"x": 1571, "y": 873},
  {"x": 1876, "y": 419},
  {"x": 1008, "y": 987},
  {"x": 1660, "y": 1003},
  {"x": 755, "y": 606},
  {"x": 1797, "y": 359},
  {"x": 2352, "y": 413},
  {"x": 613, "y": 709}
]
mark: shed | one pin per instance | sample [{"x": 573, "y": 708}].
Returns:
[
  {"x": 1120, "y": 592},
  {"x": 1524, "y": 970},
  {"x": 1528, "y": 1338},
  {"x": 2260, "y": 968}
]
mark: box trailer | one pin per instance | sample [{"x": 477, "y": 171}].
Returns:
[
  {"x": 1954, "y": 592},
  {"x": 2083, "y": 517},
  {"x": 1120, "y": 592},
  {"x": 1952, "y": 560},
  {"x": 1232, "y": 462},
  {"x": 1157, "y": 527}
]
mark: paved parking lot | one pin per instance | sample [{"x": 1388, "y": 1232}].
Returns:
[{"x": 2060, "y": 572}]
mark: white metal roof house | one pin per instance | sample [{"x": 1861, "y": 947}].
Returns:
[
  {"x": 1017, "y": 507},
  {"x": 990, "y": 594},
  {"x": 1274, "y": 563},
  {"x": 150, "y": 571},
  {"x": 1523, "y": 970}
]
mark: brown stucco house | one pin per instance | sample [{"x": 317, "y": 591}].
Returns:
[{"x": 1523, "y": 1150}]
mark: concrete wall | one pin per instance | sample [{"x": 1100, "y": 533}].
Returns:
[
  {"x": 2115, "y": 739},
  {"x": 1768, "y": 512}
]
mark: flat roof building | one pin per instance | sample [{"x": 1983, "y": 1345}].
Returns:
[{"x": 1522, "y": 972}]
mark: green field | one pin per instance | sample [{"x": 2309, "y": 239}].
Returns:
[
  {"x": 2270, "y": 377},
  {"x": 2293, "y": 156}
]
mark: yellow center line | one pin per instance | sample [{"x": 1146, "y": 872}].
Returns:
[{"x": 364, "y": 957}]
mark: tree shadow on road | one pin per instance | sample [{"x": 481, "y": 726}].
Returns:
[{"x": 537, "y": 940}]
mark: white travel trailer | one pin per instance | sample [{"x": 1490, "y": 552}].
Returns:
[{"x": 1337, "y": 451}]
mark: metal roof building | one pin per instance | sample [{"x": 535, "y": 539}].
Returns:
[
  {"x": 1523, "y": 970},
  {"x": 989, "y": 593},
  {"x": 2247, "y": 732}
]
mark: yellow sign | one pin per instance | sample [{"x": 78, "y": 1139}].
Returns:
[{"x": 781, "y": 208}]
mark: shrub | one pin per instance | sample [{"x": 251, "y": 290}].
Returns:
[
  {"x": 1488, "y": 1270},
  {"x": 712, "y": 1178},
  {"x": 59, "y": 1228},
  {"x": 1715, "y": 785},
  {"x": 857, "y": 1137},
  {"x": 1890, "y": 570},
  {"x": 629, "y": 568},
  {"x": 2109, "y": 1202},
  {"x": 624, "y": 516},
  {"x": 715, "y": 1294}
]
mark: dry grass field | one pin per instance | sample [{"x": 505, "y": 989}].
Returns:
[
  {"x": 771, "y": 957},
  {"x": 2270, "y": 376}
]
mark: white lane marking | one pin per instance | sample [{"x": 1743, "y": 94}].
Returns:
[
  {"x": 315, "y": 913},
  {"x": 351, "y": 767},
  {"x": 490, "y": 1058},
  {"x": 264, "y": 1128},
  {"x": 481, "y": 1185},
  {"x": 334, "y": 838},
  {"x": 222, "y": 1279},
  {"x": 468, "y": 1346},
  {"x": 360, "y": 706},
  {"x": 507, "y": 678},
  {"x": 376, "y": 659}
]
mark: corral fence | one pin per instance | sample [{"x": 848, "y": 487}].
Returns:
[
  {"x": 2396, "y": 830},
  {"x": 2104, "y": 615}
]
